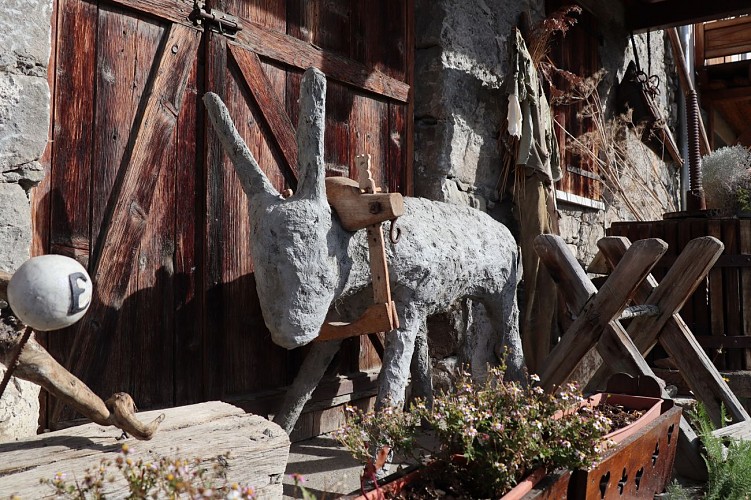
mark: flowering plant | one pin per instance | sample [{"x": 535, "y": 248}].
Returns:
[
  {"x": 502, "y": 429},
  {"x": 166, "y": 478}
]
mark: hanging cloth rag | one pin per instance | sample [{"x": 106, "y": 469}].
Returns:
[
  {"x": 536, "y": 167},
  {"x": 529, "y": 117}
]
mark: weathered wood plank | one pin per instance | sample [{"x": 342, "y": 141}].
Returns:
[
  {"x": 302, "y": 55},
  {"x": 258, "y": 450},
  {"x": 189, "y": 212},
  {"x": 153, "y": 324},
  {"x": 731, "y": 291},
  {"x": 127, "y": 222},
  {"x": 271, "y": 108},
  {"x": 716, "y": 310},
  {"x": 213, "y": 365},
  {"x": 606, "y": 305},
  {"x": 676, "y": 287},
  {"x": 72, "y": 139}
]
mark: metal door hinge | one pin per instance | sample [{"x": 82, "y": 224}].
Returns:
[{"x": 215, "y": 20}]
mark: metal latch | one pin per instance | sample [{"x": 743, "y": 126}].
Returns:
[{"x": 215, "y": 20}]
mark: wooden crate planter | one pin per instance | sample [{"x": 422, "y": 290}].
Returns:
[
  {"x": 638, "y": 466},
  {"x": 719, "y": 314}
]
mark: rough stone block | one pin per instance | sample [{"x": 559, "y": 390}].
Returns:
[
  {"x": 25, "y": 36},
  {"x": 24, "y": 118},
  {"x": 19, "y": 409},
  {"x": 15, "y": 227}
]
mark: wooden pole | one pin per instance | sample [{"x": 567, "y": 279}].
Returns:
[{"x": 687, "y": 83}]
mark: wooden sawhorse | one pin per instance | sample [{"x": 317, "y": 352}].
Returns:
[{"x": 598, "y": 314}]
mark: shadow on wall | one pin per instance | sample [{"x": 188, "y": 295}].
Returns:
[{"x": 173, "y": 341}]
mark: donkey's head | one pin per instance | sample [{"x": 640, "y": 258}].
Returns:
[{"x": 295, "y": 275}]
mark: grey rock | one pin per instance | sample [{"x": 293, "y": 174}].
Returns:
[
  {"x": 15, "y": 226},
  {"x": 25, "y": 37},
  {"x": 24, "y": 118}
]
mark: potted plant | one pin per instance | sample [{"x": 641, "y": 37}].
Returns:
[{"x": 499, "y": 438}]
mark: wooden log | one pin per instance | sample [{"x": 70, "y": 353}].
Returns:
[
  {"x": 675, "y": 337},
  {"x": 357, "y": 210},
  {"x": 600, "y": 311},
  {"x": 255, "y": 449}
]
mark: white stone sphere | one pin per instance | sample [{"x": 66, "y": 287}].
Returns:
[{"x": 50, "y": 292}]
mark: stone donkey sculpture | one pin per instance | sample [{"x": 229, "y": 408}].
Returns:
[{"x": 305, "y": 261}]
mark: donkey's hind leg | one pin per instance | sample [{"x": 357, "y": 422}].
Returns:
[
  {"x": 397, "y": 357},
  {"x": 422, "y": 376}
]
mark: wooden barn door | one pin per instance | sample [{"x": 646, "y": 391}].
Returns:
[{"x": 140, "y": 191}]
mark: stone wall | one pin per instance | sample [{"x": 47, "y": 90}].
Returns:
[
  {"x": 24, "y": 121},
  {"x": 460, "y": 63}
]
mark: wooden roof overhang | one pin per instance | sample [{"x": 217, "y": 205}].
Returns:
[
  {"x": 723, "y": 88},
  {"x": 643, "y": 15}
]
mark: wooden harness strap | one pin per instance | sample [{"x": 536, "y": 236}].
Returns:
[{"x": 359, "y": 206}]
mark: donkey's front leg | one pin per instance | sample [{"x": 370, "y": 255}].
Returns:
[
  {"x": 400, "y": 345},
  {"x": 307, "y": 379}
]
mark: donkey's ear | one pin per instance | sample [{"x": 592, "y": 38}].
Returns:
[
  {"x": 252, "y": 178},
  {"x": 310, "y": 129}
]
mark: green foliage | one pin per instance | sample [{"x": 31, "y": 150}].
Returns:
[
  {"x": 728, "y": 467},
  {"x": 504, "y": 431},
  {"x": 167, "y": 478},
  {"x": 676, "y": 491}
]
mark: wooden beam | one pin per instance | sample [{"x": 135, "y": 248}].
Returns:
[
  {"x": 272, "y": 109},
  {"x": 357, "y": 210},
  {"x": 679, "y": 283},
  {"x": 669, "y": 13},
  {"x": 173, "y": 11},
  {"x": 729, "y": 94},
  {"x": 727, "y": 37},
  {"x": 127, "y": 218},
  {"x": 302, "y": 55}
]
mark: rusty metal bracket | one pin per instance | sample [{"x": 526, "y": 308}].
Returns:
[
  {"x": 395, "y": 232},
  {"x": 215, "y": 20}
]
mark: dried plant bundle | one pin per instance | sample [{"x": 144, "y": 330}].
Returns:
[{"x": 726, "y": 176}]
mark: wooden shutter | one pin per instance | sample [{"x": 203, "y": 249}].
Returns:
[{"x": 578, "y": 53}]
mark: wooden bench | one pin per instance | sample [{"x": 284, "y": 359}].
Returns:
[{"x": 256, "y": 450}]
